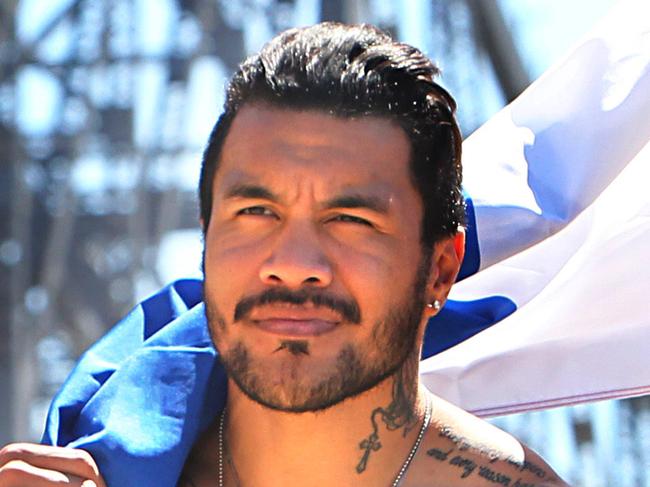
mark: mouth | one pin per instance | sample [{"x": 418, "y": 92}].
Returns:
[
  {"x": 295, "y": 321},
  {"x": 289, "y": 327}
]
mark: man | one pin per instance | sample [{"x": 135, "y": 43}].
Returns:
[{"x": 332, "y": 214}]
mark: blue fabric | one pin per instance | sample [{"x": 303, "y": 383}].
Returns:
[
  {"x": 141, "y": 396},
  {"x": 472, "y": 261},
  {"x": 460, "y": 320}
]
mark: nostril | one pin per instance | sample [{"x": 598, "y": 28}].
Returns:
[{"x": 294, "y": 271}]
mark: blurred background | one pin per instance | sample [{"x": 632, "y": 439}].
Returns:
[{"x": 104, "y": 110}]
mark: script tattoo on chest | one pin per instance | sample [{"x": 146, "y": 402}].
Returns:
[
  {"x": 468, "y": 468},
  {"x": 397, "y": 415}
]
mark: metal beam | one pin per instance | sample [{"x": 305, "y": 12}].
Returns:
[
  {"x": 333, "y": 10},
  {"x": 494, "y": 36},
  {"x": 351, "y": 11},
  {"x": 7, "y": 264}
]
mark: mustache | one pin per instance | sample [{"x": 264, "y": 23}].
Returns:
[{"x": 347, "y": 308}]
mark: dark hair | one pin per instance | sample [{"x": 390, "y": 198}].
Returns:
[{"x": 354, "y": 71}]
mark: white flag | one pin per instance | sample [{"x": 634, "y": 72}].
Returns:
[{"x": 560, "y": 181}]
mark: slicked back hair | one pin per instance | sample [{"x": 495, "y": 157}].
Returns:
[{"x": 355, "y": 71}]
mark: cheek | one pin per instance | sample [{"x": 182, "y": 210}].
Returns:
[
  {"x": 229, "y": 256},
  {"x": 230, "y": 273},
  {"x": 377, "y": 277}
]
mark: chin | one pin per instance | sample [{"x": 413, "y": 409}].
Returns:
[{"x": 303, "y": 383}]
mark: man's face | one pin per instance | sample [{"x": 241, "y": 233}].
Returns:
[{"x": 314, "y": 273}]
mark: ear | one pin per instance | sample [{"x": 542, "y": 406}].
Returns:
[{"x": 446, "y": 259}]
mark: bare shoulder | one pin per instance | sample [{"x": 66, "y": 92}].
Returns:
[{"x": 461, "y": 449}]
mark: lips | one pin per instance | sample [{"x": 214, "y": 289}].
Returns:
[
  {"x": 295, "y": 328},
  {"x": 294, "y": 321}
]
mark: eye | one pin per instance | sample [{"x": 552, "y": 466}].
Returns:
[
  {"x": 352, "y": 219},
  {"x": 256, "y": 211}
]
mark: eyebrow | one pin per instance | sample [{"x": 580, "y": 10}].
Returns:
[
  {"x": 251, "y": 191},
  {"x": 373, "y": 203},
  {"x": 362, "y": 201}
]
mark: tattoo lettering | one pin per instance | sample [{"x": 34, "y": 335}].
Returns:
[
  {"x": 528, "y": 466},
  {"x": 439, "y": 454},
  {"x": 519, "y": 483},
  {"x": 494, "y": 477},
  {"x": 463, "y": 445},
  {"x": 398, "y": 414},
  {"x": 466, "y": 464},
  {"x": 469, "y": 468},
  {"x": 461, "y": 442}
]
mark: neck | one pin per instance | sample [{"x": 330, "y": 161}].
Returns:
[{"x": 361, "y": 441}]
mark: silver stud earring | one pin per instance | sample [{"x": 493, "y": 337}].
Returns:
[{"x": 435, "y": 305}]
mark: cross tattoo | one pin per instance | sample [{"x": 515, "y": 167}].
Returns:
[{"x": 370, "y": 444}]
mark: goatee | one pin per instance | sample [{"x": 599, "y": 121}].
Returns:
[{"x": 356, "y": 368}]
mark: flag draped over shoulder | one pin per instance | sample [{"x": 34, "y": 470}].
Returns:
[
  {"x": 559, "y": 227},
  {"x": 140, "y": 397}
]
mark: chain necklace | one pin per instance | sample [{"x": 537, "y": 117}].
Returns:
[{"x": 400, "y": 474}]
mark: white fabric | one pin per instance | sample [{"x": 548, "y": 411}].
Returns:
[{"x": 560, "y": 180}]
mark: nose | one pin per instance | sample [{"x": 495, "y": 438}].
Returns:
[{"x": 297, "y": 259}]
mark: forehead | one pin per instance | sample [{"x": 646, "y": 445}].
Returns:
[{"x": 265, "y": 140}]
